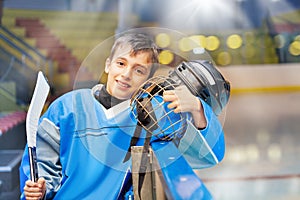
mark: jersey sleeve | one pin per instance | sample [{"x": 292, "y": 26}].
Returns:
[
  {"x": 48, "y": 148},
  {"x": 203, "y": 148}
]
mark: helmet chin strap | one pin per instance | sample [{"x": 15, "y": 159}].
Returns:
[{"x": 145, "y": 119}]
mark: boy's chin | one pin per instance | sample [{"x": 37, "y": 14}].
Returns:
[{"x": 122, "y": 97}]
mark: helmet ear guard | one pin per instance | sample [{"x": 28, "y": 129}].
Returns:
[{"x": 205, "y": 81}]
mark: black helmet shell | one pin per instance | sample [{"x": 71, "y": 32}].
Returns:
[{"x": 205, "y": 81}]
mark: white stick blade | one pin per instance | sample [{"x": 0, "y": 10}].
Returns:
[{"x": 35, "y": 108}]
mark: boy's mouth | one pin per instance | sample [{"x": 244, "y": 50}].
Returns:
[{"x": 123, "y": 84}]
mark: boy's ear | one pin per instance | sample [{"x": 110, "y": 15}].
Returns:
[{"x": 107, "y": 64}]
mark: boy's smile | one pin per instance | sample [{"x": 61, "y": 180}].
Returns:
[{"x": 126, "y": 72}]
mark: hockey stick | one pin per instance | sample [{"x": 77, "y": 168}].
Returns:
[{"x": 35, "y": 108}]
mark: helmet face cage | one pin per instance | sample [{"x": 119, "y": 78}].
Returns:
[
  {"x": 204, "y": 81},
  {"x": 151, "y": 111}
]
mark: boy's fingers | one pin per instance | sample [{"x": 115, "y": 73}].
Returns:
[
  {"x": 173, "y": 104},
  {"x": 30, "y": 183},
  {"x": 169, "y": 97},
  {"x": 167, "y": 92},
  {"x": 33, "y": 196},
  {"x": 41, "y": 182},
  {"x": 32, "y": 189}
]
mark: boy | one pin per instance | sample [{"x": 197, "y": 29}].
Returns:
[{"x": 84, "y": 135}]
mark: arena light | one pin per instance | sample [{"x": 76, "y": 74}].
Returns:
[
  {"x": 165, "y": 57},
  {"x": 279, "y": 41},
  {"x": 200, "y": 15},
  {"x": 294, "y": 48},
  {"x": 185, "y": 44},
  {"x": 248, "y": 51},
  {"x": 234, "y": 41},
  {"x": 274, "y": 153},
  {"x": 297, "y": 38},
  {"x": 224, "y": 58},
  {"x": 199, "y": 40},
  {"x": 212, "y": 43},
  {"x": 163, "y": 40}
]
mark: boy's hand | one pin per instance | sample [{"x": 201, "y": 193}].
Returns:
[
  {"x": 35, "y": 191},
  {"x": 182, "y": 100}
]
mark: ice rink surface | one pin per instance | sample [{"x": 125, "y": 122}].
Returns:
[{"x": 262, "y": 160}]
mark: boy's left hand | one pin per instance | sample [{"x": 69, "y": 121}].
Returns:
[{"x": 182, "y": 100}]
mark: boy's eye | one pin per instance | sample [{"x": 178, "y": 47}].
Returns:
[
  {"x": 120, "y": 63},
  {"x": 140, "y": 70}
]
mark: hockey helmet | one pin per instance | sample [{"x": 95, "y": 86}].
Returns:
[{"x": 204, "y": 80}]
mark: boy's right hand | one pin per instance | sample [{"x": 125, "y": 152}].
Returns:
[{"x": 35, "y": 191}]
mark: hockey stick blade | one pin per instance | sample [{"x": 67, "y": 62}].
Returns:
[{"x": 38, "y": 100}]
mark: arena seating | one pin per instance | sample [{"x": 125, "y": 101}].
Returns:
[
  {"x": 63, "y": 36},
  {"x": 12, "y": 128},
  {"x": 10, "y": 120}
]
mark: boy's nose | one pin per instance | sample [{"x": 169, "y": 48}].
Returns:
[{"x": 127, "y": 72}]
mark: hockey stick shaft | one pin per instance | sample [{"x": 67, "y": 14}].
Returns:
[{"x": 33, "y": 164}]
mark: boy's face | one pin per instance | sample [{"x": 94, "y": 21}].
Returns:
[{"x": 126, "y": 72}]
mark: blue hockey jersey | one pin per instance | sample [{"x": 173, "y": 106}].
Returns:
[{"x": 81, "y": 146}]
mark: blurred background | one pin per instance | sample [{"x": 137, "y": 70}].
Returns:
[{"x": 255, "y": 43}]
